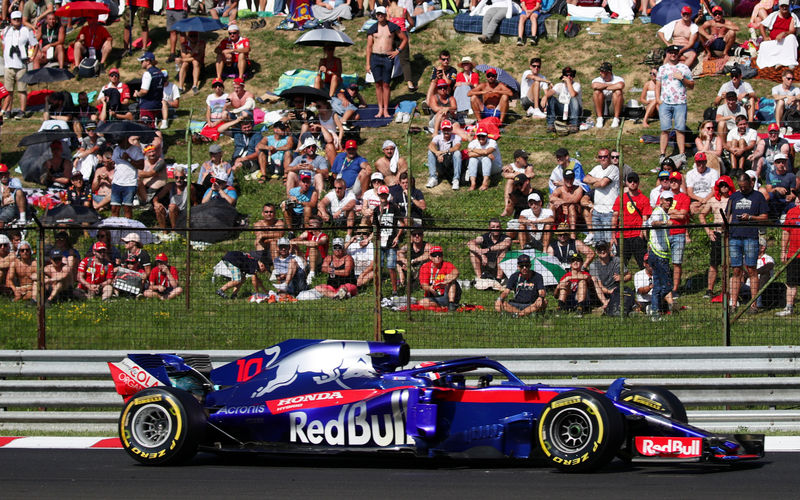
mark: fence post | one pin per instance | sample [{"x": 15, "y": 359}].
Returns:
[
  {"x": 188, "y": 277},
  {"x": 411, "y": 223},
  {"x": 41, "y": 337},
  {"x": 376, "y": 275},
  {"x": 726, "y": 316}
]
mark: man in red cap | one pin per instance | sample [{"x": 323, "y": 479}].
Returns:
[
  {"x": 682, "y": 32},
  {"x": 444, "y": 156},
  {"x": 717, "y": 34},
  {"x": 437, "y": 278},
  {"x": 233, "y": 51},
  {"x": 114, "y": 98},
  {"x": 767, "y": 148},
  {"x": 163, "y": 280},
  {"x": 351, "y": 167},
  {"x": 95, "y": 273},
  {"x": 442, "y": 104},
  {"x": 490, "y": 98},
  {"x": 13, "y": 203},
  {"x": 241, "y": 99}
]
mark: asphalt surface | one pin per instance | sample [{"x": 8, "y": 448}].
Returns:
[{"x": 106, "y": 473}]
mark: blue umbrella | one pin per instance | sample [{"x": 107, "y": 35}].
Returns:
[
  {"x": 669, "y": 10},
  {"x": 502, "y": 76},
  {"x": 199, "y": 24}
]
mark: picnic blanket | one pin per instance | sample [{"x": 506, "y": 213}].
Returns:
[
  {"x": 296, "y": 77},
  {"x": 367, "y": 117},
  {"x": 465, "y": 23}
]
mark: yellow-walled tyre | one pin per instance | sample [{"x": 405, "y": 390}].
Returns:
[
  {"x": 580, "y": 431},
  {"x": 656, "y": 400},
  {"x": 162, "y": 426}
]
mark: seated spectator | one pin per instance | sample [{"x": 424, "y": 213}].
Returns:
[
  {"x": 778, "y": 188},
  {"x": 71, "y": 256},
  {"x": 354, "y": 169},
  {"x": 104, "y": 236},
  {"x": 700, "y": 183},
  {"x": 745, "y": 95},
  {"x": 153, "y": 176},
  {"x": 22, "y": 273},
  {"x": 137, "y": 254},
  {"x": 114, "y": 99},
  {"x": 239, "y": 100},
  {"x": 57, "y": 171},
  {"x": 607, "y": 93},
  {"x": 233, "y": 53},
  {"x": 220, "y": 189},
  {"x": 572, "y": 291},
  {"x": 532, "y": 87},
  {"x": 269, "y": 229},
  {"x": 163, "y": 280},
  {"x": 170, "y": 101},
  {"x": 360, "y": 247},
  {"x": 466, "y": 80},
  {"x": 399, "y": 194},
  {"x": 103, "y": 178},
  {"x": 329, "y": 10},
  {"x": 419, "y": 254},
  {"x": 275, "y": 152},
  {"x": 484, "y": 153},
  {"x": 438, "y": 280},
  {"x": 92, "y": 38},
  {"x": 95, "y": 273},
  {"x": 297, "y": 116},
  {"x": 133, "y": 276},
  {"x": 488, "y": 250},
  {"x": 288, "y": 277},
  {"x": 564, "y": 246},
  {"x": 442, "y": 105},
  {"x": 78, "y": 192},
  {"x": 535, "y": 220},
  {"x": 215, "y": 163},
  {"x": 346, "y": 104},
  {"x": 310, "y": 163},
  {"x": 643, "y": 282},
  {"x": 240, "y": 265},
  {"x": 567, "y": 203},
  {"x": 564, "y": 101},
  {"x": 682, "y": 32},
  {"x": 767, "y": 148},
  {"x": 215, "y": 104},
  {"x": 88, "y": 152},
  {"x": 493, "y": 14},
  {"x": 222, "y": 8},
  {"x": 648, "y": 98},
  {"x": 727, "y": 114},
  {"x": 517, "y": 176},
  {"x": 34, "y": 13},
  {"x": 177, "y": 194},
  {"x": 785, "y": 96},
  {"x": 316, "y": 244},
  {"x": 444, "y": 157},
  {"x": 605, "y": 276},
  {"x": 391, "y": 165},
  {"x": 338, "y": 207},
  {"x": 50, "y": 35},
  {"x": 58, "y": 279},
  {"x": 393, "y": 223},
  {"x": 530, "y": 11},
  {"x": 193, "y": 50},
  {"x": 518, "y": 196},
  {"x": 708, "y": 142},
  {"x": 779, "y": 31},
  {"x": 330, "y": 127},
  {"x": 529, "y": 293},
  {"x": 59, "y": 107},
  {"x": 13, "y": 203},
  {"x": 7, "y": 258},
  {"x": 340, "y": 268},
  {"x": 370, "y": 199},
  {"x": 740, "y": 143},
  {"x": 245, "y": 140},
  {"x": 490, "y": 98},
  {"x": 329, "y": 72},
  {"x": 301, "y": 202},
  {"x": 718, "y": 35},
  {"x": 442, "y": 70}
]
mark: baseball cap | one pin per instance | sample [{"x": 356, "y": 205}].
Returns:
[
  {"x": 233, "y": 27},
  {"x": 132, "y": 237},
  {"x": 3, "y": 168},
  {"x": 773, "y": 126},
  {"x": 305, "y": 175},
  {"x": 534, "y": 197},
  {"x": 667, "y": 195},
  {"x": 383, "y": 190},
  {"x": 602, "y": 245},
  {"x": 520, "y": 178},
  {"x": 436, "y": 249},
  {"x": 523, "y": 259},
  {"x": 353, "y": 86},
  {"x": 569, "y": 173},
  {"x": 466, "y": 59},
  {"x": 147, "y": 56},
  {"x": 238, "y": 81},
  {"x": 4, "y": 240},
  {"x": 686, "y": 9},
  {"x": 561, "y": 152},
  {"x": 491, "y": 71},
  {"x": 217, "y": 81},
  {"x": 56, "y": 255},
  {"x": 673, "y": 48},
  {"x": 675, "y": 176},
  {"x": 284, "y": 242},
  {"x": 351, "y": 144},
  {"x": 575, "y": 256},
  {"x": 77, "y": 173},
  {"x": 442, "y": 83},
  {"x": 446, "y": 125},
  {"x": 99, "y": 245},
  {"x": 481, "y": 131},
  {"x": 780, "y": 2},
  {"x": 338, "y": 242},
  {"x": 716, "y": 9},
  {"x": 380, "y": 10},
  {"x": 215, "y": 149},
  {"x": 309, "y": 142},
  {"x": 113, "y": 70},
  {"x": 162, "y": 257},
  {"x": 376, "y": 176},
  {"x": 779, "y": 156},
  {"x": 606, "y": 66},
  {"x": 520, "y": 153},
  {"x": 664, "y": 174},
  {"x": 735, "y": 72},
  {"x": 16, "y": 15},
  {"x": 668, "y": 162},
  {"x": 90, "y": 125},
  {"x": 700, "y": 156}
]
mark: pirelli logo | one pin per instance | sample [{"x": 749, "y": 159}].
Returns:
[{"x": 566, "y": 402}]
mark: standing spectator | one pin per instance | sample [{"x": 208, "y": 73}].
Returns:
[
  {"x": 128, "y": 159},
  {"x": 790, "y": 243},
  {"x": 659, "y": 254},
  {"x": 153, "y": 175},
  {"x": 564, "y": 101},
  {"x": 141, "y": 10},
  {"x": 288, "y": 277},
  {"x": 316, "y": 243},
  {"x": 381, "y": 52},
  {"x": 392, "y": 222},
  {"x": 233, "y": 51},
  {"x": 572, "y": 291},
  {"x": 673, "y": 79},
  {"x": 718, "y": 203},
  {"x": 488, "y": 250},
  {"x": 530, "y": 11},
  {"x": 678, "y": 212},
  {"x": 22, "y": 273},
  {"x": 535, "y": 220},
  {"x": 175, "y": 10},
  {"x": 511, "y": 173},
  {"x": 95, "y": 273},
  {"x": 192, "y": 55},
  {"x": 444, "y": 156},
  {"x": 532, "y": 87},
  {"x": 58, "y": 279},
  {"x": 275, "y": 152},
  {"x": 51, "y": 35},
  {"x": 391, "y": 165},
  {"x": 682, "y": 34},
  {"x": 604, "y": 179},
  {"x": 151, "y": 93},
  {"x": 700, "y": 183},
  {"x": 301, "y": 202},
  {"x": 745, "y": 207},
  {"x": 740, "y": 143},
  {"x": 240, "y": 265},
  {"x": 484, "y": 153},
  {"x": 490, "y": 98},
  {"x": 352, "y": 168},
  {"x": 745, "y": 95},
  {"x": 163, "y": 280},
  {"x": 606, "y": 278},
  {"x": 340, "y": 268},
  {"x": 17, "y": 39},
  {"x": 269, "y": 229},
  {"x": 402, "y": 18},
  {"x": 399, "y": 194},
  {"x": 529, "y": 293},
  {"x": 766, "y": 150},
  {"x": 635, "y": 209},
  {"x": 92, "y": 38},
  {"x": 607, "y": 92},
  {"x": 437, "y": 278}
]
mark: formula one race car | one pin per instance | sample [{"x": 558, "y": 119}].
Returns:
[{"x": 312, "y": 396}]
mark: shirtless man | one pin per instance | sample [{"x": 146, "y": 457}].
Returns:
[
  {"x": 22, "y": 273},
  {"x": 566, "y": 202},
  {"x": 391, "y": 174},
  {"x": 267, "y": 241},
  {"x": 381, "y": 38},
  {"x": 58, "y": 278},
  {"x": 718, "y": 34},
  {"x": 7, "y": 258},
  {"x": 682, "y": 32},
  {"x": 240, "y": 99},
  {"x": 490, "y": 98}
]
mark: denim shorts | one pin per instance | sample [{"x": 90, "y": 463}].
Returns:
[
  {"x": 669, "y": 112},
  {"x": 122, "y": 195},
  {"x": 677, "y": 242},
  {"x": 744, "y": 249}
]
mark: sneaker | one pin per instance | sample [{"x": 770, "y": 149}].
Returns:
[
  {"x": 551, "y": 128},
  {"x": 29, "y": 113},
  {"x": 676, "y": 295},
  {"x": 406, "y": 117},
  {"x": 520, "y": 43},
  {"x": 432, "y": 182},
  {"x": 589, "y": 239},
  {"x": 484, "y": 39},
  {"x": 136, "y": 202},
  {"x": 221, "y": 293},
  {"x": 171, "y": 58},
  {"x": 456, "y": 185},
  {"x": 786, "y": 311},
  {"x": 599, "y": 122},
  {"x": 398, "y": 117},
  {"x": 164, "y": 125},
  {"x": 535, "y": 40},
  {"x": 310, "y": 278},
  {"x": 538, "y": 113},
  {"x": 681, "y": 159},
  {"x": 530, "y": 111},
  {"x": 195, "y": 90},
  {"x": 708, "y": 294},
  {"x": 452, "y": 306},
  {"x": 615, "y": 123}
]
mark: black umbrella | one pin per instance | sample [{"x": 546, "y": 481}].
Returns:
[
  {"x": 214, "y": 214},
  {"x": 46, "y": 136},
  {"x": 307, "y": 93},
  {"x": 322, "y": 37},
  {"x": 33, "y": 160},
  {"x": 46, "y": 75},
  {"x": 126, "y": 128},
  {"x": 71, "y": 214}
]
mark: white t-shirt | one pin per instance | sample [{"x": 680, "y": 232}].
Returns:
[
  {"x": 528, "y": 214},
  {"x": 17, "y": 38},
  {"x": 171, "y": 92},
  {"x": 217, "y": 105},
  {"x": 126, "y": 174},
  {"x": 702, "y": 184},
  {"x": 525, "y": 84},
  {"x": 749, "y": 136},
  {"x": 655, "y": 194},
  {"x": 614, "y": 80},
  {"x": 370, "y": 200},
  {"x": 442, "y": 145},
  {"x": 336, "y": 204},
  {"x": 490, "y": 143},
  {"x": 779, "y": 90},
  {"x": 604, "y": 197},
  {"x": 562, "y": 93},
  {"x": 744, "y": 88},
  {"x": 641, "y": 280}
]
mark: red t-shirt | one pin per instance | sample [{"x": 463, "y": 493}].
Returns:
[
  {"x": 94, "y": 36},
  {"x": 159, "y": 278},
  {"x": 780, "y": 25},
  {"x": 175, "y": 5},
  {"x": 433, "y": 276},
  {"x": 573, "y": 279},
  {"x": 241, "y": 43},
  {"x": 531, "y": 5},
  {"x": 793, "y": 219},
  {"x": 631, "y": 217},
  {"x": 474, "y": 78},
  {"x": 681, "y": 201},
  {"x": 94, "y": 271},
  {"x": 139, "y": 3},
  {"x": 323, "y": 249},
  {"x": 122, "y": 88}
]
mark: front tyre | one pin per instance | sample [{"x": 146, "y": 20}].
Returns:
[
  {"x": 162, "y": 426},
  {"x": 580, "y": 431}
]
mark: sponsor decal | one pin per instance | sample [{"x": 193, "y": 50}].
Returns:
[
  {"x": 566, "y": 402},
  {"x": 641, "y": 400},
  {"x": 354, "y": 426},
  {"x": 243, "y": 410},
  {"x": 669, "y": 447},
  {"x": 147, "y": 399},
  {"x": 130, "y": 378}
]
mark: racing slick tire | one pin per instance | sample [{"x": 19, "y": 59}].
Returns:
[
  {"x": 162, "y": 426},
  {"x": 580, "y": 431},
  {"x": 657, "y": 400}
]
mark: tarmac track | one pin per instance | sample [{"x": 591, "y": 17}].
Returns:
[{"x": 47, "y": 473}]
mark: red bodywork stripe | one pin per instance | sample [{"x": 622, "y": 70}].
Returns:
[
  {"x": 494, "y": 395},
  {"x": 325, "y": 399}
]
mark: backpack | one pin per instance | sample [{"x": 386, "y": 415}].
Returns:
[
  {"x": 88, "y": 68},
  {"x": 655, "y": 57},
  {"x": 571, "y": 29}
]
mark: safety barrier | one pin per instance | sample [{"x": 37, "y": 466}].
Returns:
[{"x": 731, "y": 388}]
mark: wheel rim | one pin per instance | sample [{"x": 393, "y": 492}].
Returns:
[
  {"x": 571, "y": 430},
  {"x": 152, "y": 426}
]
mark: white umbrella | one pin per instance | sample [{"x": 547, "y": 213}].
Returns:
[
  {"x": 324, "y": 36},
  {"x": 121, "y": 226}
]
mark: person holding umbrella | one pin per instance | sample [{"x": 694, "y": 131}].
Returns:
[
  {"x": 92, "y": 38},
  {"x": 330, "y": 71},
  {"x": 16, "y": 41}
]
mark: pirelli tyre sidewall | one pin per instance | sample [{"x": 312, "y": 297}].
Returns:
[
  {"x": 580, "y": 431},
  {"x": 657, "y": 400},
  {"x": 162, "y": 426}
]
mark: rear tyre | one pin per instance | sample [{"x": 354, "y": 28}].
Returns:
[
  {"x": 656, "y": 400},
  {"x": 580, "y": 431},
  {"x": 162, "y": 426}
]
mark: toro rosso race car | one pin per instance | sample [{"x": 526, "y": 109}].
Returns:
[{"x": 312, "y": 396}]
